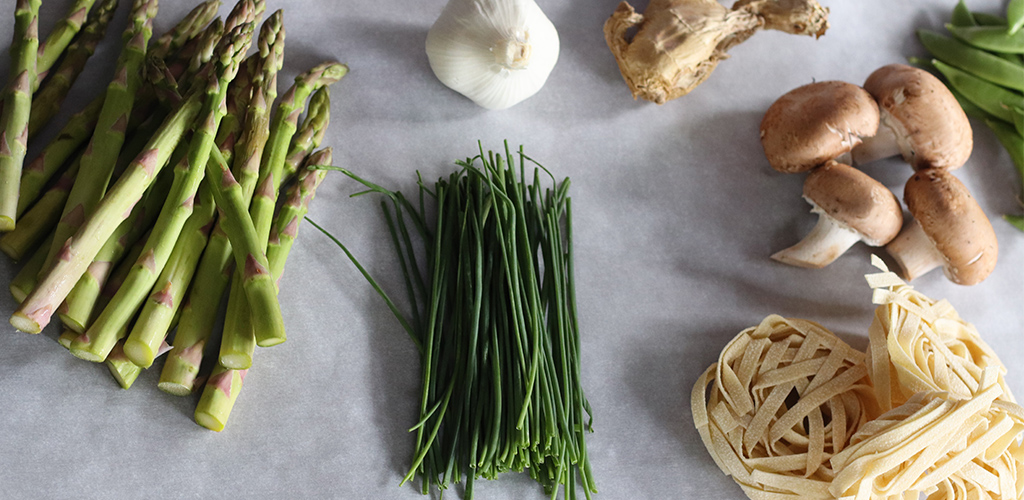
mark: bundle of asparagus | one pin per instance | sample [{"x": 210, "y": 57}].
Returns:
[{"x": 121, "y": 248}]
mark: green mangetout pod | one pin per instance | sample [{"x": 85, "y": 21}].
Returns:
[
  {"x": 976, "y": 61},
  {"x": 994, "y": 38}
]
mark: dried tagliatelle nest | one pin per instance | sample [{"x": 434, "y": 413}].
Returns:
[
  {"x": 938, "y": 444},
  {"x": 785, "y": 397},
  {"x": 920, "y": 344},
  {"x": 950, "y": 427}
]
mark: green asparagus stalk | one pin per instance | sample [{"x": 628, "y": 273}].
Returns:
[
  {"x": 162, "y": 82},
  {"x": 176, "y": 47},
  {"x": 200, "y": 311},
  {"x": 79, "y": 308},
  {"x": 245, "y": 11},
  {"x": 285, "y": 123},
  {"x": 105, "y": 145},
  {"x": 121, "y": 368},
  {"x": 39, "y": 221},
  {"x": 57, "y": 41},
  {"x": 49, "y": 97},
  {"x": 80, "y": 250},
  {"x": 219, "y": 397},
  {"x": 238, "y": 341},
  {"x": 311, "y": 132},
  {"x": 295, "y": 207},
  {"x": 25, "y": 281},
  {"x": 257, "y": 283},
  {"x": 17, "y": 104},
  {"x": 66, "y": 338},
  {"x": 153, "y": 323},
  {"x": 155, "y": 318},
  {"x": 56, "y": 154},
  {"x": 187, "y": 28},
  {"x": 103, "y": 333},
  {"x": 113, "y": 283}
]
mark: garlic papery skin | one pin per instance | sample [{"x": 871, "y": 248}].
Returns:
[{"x": 495, "y": 52}]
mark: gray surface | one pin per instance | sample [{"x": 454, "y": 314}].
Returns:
[{"x": 676, "y": 212}]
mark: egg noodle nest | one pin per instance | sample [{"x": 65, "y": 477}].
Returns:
[{"x": 791, "y": 411}]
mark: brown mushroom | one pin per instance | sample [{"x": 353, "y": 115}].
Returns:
[
  {"x": 851, "y": 207},
  {"x": 920, "y": 120},
  {"x": 949, "y": 230},
  {"x": 815, "y": 123}
]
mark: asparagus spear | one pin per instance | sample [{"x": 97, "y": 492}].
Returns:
[
  {"x": 187, "y": 28},
  {"x": 295, "y": 207},
  {"x": 257, "y": 283},
  {"x": 17, "y": 103},
  {"x": 311, "y": 132},
  {"x": 284, "y": 126},
  {"x": 237, "y": 340},
  {"x": 200, "y": 310},
  {"x": 222, "y": 390},
  {"x": 219, "y": 397},
  {"x": 79, "y": 308},
  {"x": 153, "y": 323},
  {"x": 25, "y": 281},
  {"x": 38, "y": 222},
  {"x": 103, "y": 149},
  {"x": 79, "y": 251},
  {"x": 103, "y": 333},
  {"x": 77, "y": 130},
  {"x": 47, "y": 100},
  {"x": 57, "y": 41}
]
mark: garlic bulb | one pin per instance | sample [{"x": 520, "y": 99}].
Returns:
[{"x": 495, "y": 52}]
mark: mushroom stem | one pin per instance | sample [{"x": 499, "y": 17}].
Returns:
[
  {"x": 881, "y": 145},
  {"x": 914, "y": 252},
  {"x": 826, "y": 242}
]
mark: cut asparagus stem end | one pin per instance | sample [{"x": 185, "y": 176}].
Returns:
[
  {"x": 210, "y": 421},
  {"x": 139, "y": 352},
  {"x": 18, "y": 293},
  {"x": 71, "y": 323},
  {"x": 66, "y": 338},
  {"x": 175, "y": 388},
  {"x": 236, "y": 360},
  {"x": 825, "y": 243},
  {"x": 882, "y": 145},
  {"x": 87, "y": 355},
  {"x": 6, "y": 223},
  {"x": 22, "y": 322},
  {"x": 914, "y": 252}
]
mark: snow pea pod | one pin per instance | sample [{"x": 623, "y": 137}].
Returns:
[
  {"x": 962, "y": 15},
  {"x": 978, "y": 62},
  {"x": 1015, "y": 15},
  {"x": 1011, "y": 140},
  {"x": 984, "y": 19},
  {"x": 994, "y": 38},
  {"x": 988, "y": 96},
  {"x": 969, "y": 107}
]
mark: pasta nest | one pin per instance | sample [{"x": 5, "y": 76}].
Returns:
[
  {"x": 785, "y": 397},
  {"x": 918, "y": 344},
  {"x": 939, "y": 444}
]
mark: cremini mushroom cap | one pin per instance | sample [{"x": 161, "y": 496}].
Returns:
[
  {"x": 812, "y": 124},
  {"x": 855, "y": 200},
  {"x": 955, "y": 224},
  {"x": 931, "y": 128}
]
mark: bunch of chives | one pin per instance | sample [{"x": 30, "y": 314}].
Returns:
[{"x": 494, "y": 318}]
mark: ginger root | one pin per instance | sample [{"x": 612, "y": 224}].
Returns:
[{"x": 678, "y": 43}]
